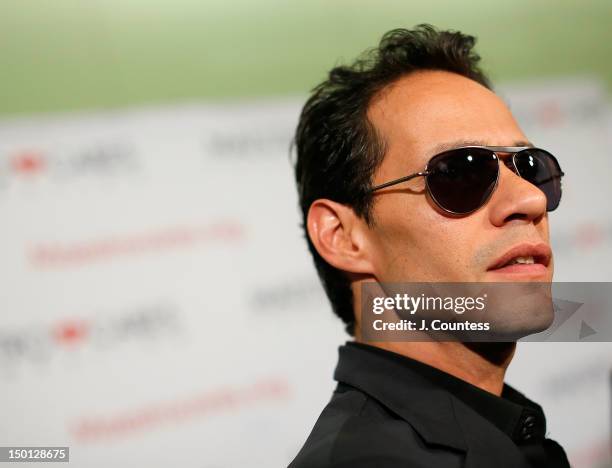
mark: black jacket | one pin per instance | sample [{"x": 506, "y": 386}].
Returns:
[{"x": 390, "y": 411}]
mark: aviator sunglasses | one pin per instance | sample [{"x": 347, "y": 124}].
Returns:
[{"x": 461, "y": 180}]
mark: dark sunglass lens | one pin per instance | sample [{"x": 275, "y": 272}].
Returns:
[
  {"x": 462, "y": 180},
  {"x": 541, "y": 169}
]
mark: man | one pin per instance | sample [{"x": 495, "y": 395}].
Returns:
[{"x": 472, "y": 215}]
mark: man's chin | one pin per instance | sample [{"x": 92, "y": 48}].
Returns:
[{"x": 520, "y": 308}]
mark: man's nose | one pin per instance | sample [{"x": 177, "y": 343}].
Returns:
[{"x": 515, "y": 198}]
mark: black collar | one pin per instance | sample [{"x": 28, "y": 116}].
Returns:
[{"x": 401, "y": 383}]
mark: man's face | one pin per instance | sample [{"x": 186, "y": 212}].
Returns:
[{"x": 412, "y": 239}]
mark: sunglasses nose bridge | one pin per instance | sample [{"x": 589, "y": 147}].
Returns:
[{"x": 509, "y": 162}]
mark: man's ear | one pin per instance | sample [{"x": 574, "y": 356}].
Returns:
[{"x": 339, "y": 235}]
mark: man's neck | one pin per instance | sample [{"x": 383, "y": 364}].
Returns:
[{"x": 481, "y": 364}]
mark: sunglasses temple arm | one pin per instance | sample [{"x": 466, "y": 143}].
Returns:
[{"x": 399, "y": 181}]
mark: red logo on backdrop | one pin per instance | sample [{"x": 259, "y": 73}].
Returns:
[
  {"x": 65, "y": 162},
  {"x": 100, "y": 427},
  {"x": 41, "y": 344},
  {"x": 583, "y": 237},
  {"x": 28, "y": 162},
  {"x": 71, "y": 332},
  {"x": 158, "y": 240}
]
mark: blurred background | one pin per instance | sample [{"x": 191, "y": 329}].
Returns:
[{"x": 157, "y": 303}]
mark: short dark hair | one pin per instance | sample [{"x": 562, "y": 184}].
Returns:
[{"x": 337, "y": 147}]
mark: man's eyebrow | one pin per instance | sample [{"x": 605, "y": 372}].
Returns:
[{"x": 459, "y": 143}]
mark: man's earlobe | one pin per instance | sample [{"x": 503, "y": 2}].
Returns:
[{"x": 339, "y": 236}]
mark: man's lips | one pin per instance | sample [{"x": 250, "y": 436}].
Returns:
[{"x": 541, "y": 254}]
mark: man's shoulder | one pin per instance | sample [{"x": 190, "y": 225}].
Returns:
[{"x": 355, "y": 430}]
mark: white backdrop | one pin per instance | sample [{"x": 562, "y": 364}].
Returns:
[{"x": 160, "y": 308}]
